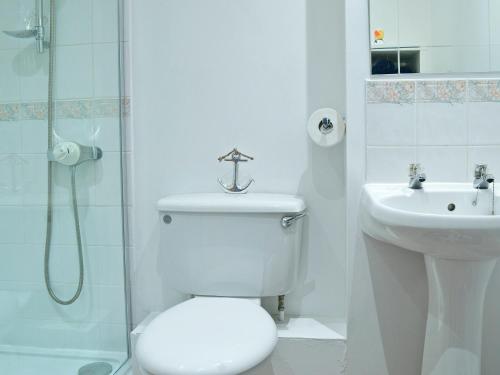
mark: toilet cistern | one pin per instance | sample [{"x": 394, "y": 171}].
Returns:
[{"x": 235, "y": 157}]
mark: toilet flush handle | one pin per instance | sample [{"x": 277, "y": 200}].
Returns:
[{"x": 288, "y": 221}]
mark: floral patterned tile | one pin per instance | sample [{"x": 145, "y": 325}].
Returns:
[
  {"x": 394, "y": 91},
  {"x": 9, "y": 112},
  {"x": 443, "y": 91},
  {"x": 106, "y": 108},
  {"x": 74, "y": 109},
  {"x": 68, "y": 109},
  {"x": 484, "y": 90},
  {"x": 33, "y": 111}
]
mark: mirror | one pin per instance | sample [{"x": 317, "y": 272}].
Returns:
[{"x": 434, "y": 36}]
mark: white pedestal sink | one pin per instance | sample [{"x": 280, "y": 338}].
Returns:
[{"x": 461, "y": 243}]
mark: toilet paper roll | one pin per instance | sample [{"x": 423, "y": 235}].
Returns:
[{"x": 326, "y": 127}]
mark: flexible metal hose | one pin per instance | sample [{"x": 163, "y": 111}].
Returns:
[{"x": 50, "y": 208}]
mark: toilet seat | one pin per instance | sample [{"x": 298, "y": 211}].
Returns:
[{"x": 207, "y": 336}]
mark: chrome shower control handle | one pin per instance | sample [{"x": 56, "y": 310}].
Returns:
[{"x": 72, "y": 153}]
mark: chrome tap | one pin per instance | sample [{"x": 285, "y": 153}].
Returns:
[
  {"x": 416, "y": 176},
  {"x": 482, "y": 179},
  {"x": 235, "y": 157}
]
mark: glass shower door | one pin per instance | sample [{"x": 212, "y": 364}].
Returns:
[{"x": 62, "y": 280}]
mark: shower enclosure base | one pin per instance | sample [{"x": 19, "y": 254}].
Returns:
[{"x": 36, "y": 361}]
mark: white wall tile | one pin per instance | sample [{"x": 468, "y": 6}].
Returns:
[
  {"x": 9, "y": 78},
  {"x": 74, "y": 22},
  {"x": 35, "y": 180},
  {"x": 34, "y": 136},
  {"x": 106, "y": 70},
  {"x": 443, "y": 164},
  {"x": 441, "y": 124},
  {"x": 389, "y": 164},
  {"x": 391, "y": 124},
  {"x": 10, "y": 136},
  {"x": 10, "y": 218},
  {"x": 74, "y": 72},
  {"x": 495, "y": 57},
  {"x": 108, "y": 180},
  {"x": 105, "y": 21},
  {"x": 33, "y": 71},
  {"x": 484, "y": 125},
  {"x": 34, "y": 219},
  {"x": 104, "y": 226},
  {"x": 12, "y": 182},
  {"x": 107, "y": 133},
  {"x": 106, "y": 264}
]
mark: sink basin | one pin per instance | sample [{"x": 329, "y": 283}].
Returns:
[
  {"x": 456, "y": 229},
  {"x": 438, "y": 220}
]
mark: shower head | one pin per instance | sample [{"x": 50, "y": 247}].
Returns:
[{"x": 22, "y": 34}]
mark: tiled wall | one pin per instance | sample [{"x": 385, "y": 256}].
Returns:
[
  {"x": 87, "y": 93},
  {"x": 446, "y": 125}
]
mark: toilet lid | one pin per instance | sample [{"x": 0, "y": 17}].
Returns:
[{"x": 207, "y": 336}]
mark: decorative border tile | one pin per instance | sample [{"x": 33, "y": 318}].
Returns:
[
  {"x": 395, "y": 91},
  {"x": 65, "y": 109},
  {"x": 442, "y": 91},
  {"x": 484, "y": 90},
  {"x": 9, "y": 112},
  {"x": 432, "y": 91},
  {"x": 33, "y": 111}
]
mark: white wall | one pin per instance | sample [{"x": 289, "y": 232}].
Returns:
[
  {"x": 208, "y": 76},
  {"x": 388, "y": 289}
]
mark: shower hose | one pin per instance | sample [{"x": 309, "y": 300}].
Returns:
[{"x": 50, "y": 208}]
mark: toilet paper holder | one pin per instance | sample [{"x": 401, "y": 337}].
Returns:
[{"x": 325, "y": 126}]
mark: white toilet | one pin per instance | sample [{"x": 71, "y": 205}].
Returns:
[{"x": 228, "y": 251}]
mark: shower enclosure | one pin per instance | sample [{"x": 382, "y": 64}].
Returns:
[{"x": 63, "y": 300}]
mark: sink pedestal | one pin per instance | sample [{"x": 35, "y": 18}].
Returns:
[{"x": 455, "y": 316}]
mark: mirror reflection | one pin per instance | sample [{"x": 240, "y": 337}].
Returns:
[{"x": 434, "y": 36}]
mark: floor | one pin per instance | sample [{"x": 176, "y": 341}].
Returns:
[{"x": 34, "y": 361}]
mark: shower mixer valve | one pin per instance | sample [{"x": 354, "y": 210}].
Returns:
[
  {"x": 235, "y": 157},
  {"x": 72, "y": 153}
]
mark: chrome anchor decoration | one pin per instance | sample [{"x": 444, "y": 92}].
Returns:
[{"x": 235, "y": 157}]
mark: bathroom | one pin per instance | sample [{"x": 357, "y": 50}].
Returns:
[{"x": 232, "y": 186}]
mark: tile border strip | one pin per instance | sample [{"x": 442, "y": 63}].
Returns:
[
  {"x": 432, "y": 91},
  {"x": 65, "y": 109}
]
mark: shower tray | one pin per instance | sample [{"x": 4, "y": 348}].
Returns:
[{"x": 35, "y": 361}]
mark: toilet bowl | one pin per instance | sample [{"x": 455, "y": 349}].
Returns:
[
  {"x": 207, "y": 336},
  {"x": 236, "y": 248}
]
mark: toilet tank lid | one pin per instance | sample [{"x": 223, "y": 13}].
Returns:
[{"x": 236, "y": 203}]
